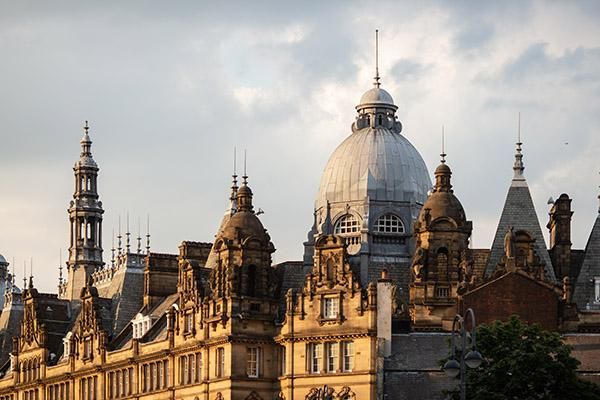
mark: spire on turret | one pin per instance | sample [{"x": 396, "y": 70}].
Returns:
[
  {"x": 112, "y": 250},
  {"x": 376, "y": 82},
  {"x": 244, "y": 193},
  {"x": 518, "y": 166},
  {"x": 234, "y": 185},
  {"x": 443, "y": 153}
]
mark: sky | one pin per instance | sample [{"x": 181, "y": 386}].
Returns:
[{"x": 170, "y": 88}]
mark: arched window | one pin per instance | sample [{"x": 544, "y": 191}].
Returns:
[
  {"x": 389, "y": 223},
  {"x": 379, "y": 120},
  {"x": 347, "y": 224}
]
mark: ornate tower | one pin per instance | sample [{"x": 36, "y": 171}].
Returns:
[
  {"x": 442, "y": 266},
  {"x": 85, "y": 216}
]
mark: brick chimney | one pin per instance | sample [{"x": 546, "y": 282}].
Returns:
[{"x": 560, "y": 236}]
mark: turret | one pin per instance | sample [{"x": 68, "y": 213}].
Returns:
[{"x": 85, "y": 217}]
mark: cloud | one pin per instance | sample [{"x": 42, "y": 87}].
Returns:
[{"x": 170, "y": 90}]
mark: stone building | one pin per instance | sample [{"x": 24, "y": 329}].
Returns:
[{"x": 365, "y": 315}]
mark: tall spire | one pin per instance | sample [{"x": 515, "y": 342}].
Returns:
[
  {"x": 128, "y": 235},
  {"x": 518, "y": 166},
  {"x": 376, "y": 82},
  {"x": 139, "y": 237},
  {"x": 112, "y": 250}
]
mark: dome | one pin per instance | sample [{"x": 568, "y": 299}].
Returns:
[
  {"x": 2, "y": 260},
  {"x": 444, "y": 205},
  {"x": 376, "y": 96},
  {"x": 244, "y": 223},
  {"x": 377, "y": 163}
]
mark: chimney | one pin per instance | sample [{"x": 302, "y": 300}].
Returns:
[{"x": 560, "y": 235}]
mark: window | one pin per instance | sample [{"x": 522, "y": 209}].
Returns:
[
  {"x": 141, "y": 324},
  {"x": 347, "y": 224},
  {"x": 348, "y": 349},
  {"x": 316, "y": 357},
  {"x": 154, "y": 377},
  {"x": 185, "y": 370},
  {"x": 253, "y": 362},
  {"x": 189, "y": 322},
  {"x": 379, "y": 119},
  {"x": 332, "y": 356},
  {"x": 331, "y": 306},
  {"x": 597, "y": 290},
  {"x": 220, "y": 362},
  {"x": 87, "y": 347},
  {"x": 282, "y": 360},
  {"x": 198, "y": 367},
  {"x": 389, "y": 223},
  {"x": 67, "y": 343}
]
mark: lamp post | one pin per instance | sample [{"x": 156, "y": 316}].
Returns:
[{"x": 471, "y": 359}]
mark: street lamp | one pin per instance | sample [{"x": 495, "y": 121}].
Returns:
[{"x": 472, "y": 359}]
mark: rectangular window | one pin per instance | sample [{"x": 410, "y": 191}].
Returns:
[
  {"x": 596, "y": 290},
  {"x": 189, "y": 322},
  {"x": 198, "y": 367},
  {"x": 282, "y": 360},
  {"x": 161, "y": 374},
  {"x": 166, "y": 380},
  {"x": 348, "y": 349},
  {"x": 316, "y": 357},
  {"x": 192, "y": 363},
  {"x": 332, "y": 356},
  {"x": 331, "y": 306},
  {"x": 186, "y": 370},
  {"x": 220, "y": 362},
  {"x": 253, "y": 362}
]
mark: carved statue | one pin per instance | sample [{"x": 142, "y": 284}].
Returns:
[
  {"x": 509, "y": 243},
  {"x": 418, "y": 262},
  {"x": 567, "y": 289},
  {"x": 465, "y": 267}
]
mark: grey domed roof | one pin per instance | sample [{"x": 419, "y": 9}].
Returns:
[
  {"x": 3, "y": 260},
  {"x": 377, "y": 96},
  {"x": 378, "y": 163}
]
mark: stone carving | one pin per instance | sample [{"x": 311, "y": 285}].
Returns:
[
  {"x": 417, "y": 264},
  {"x": 346, "y": 394},
  {"x": 509, "y": 243}
]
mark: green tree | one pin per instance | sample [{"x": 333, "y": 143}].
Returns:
[{"x": 523, "y": 362}]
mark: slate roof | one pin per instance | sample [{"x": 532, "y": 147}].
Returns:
[
  {"x": 519, "y": 212},
  {"x": 583, "y": 292}
]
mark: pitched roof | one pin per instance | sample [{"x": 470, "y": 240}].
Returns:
[
  {"x": 519, "y": 212},
  {"x": 583, "y": 291}
]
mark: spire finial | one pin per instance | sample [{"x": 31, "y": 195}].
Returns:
[
  {"x": 518, "y": 167},
  {"x": 128, "y": 235},
  {"x": 245, "y": 176},
  {"x": 60, "y": 268},
  {"x": 376, "y": 83},
  {"x": 599, "y": 199},
  {"x": 443, "y": 153},
  {"x": 31, "y": 273},
  {"x": 234, "y": 185},
  {"x": 86, "y": 128},
  {"x": 139, "y": 237},
  {"x": 24, "y": 274},
  {"x": 112, "y": 250},
  {"x": 148, "y": 234},
  {"x": 119, "y": 237}
]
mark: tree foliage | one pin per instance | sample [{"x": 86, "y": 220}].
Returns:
[{"x": 525, "y": 362}]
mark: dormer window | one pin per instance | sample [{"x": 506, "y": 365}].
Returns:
[
  {"x": 140, "y": 325},
  {"x": 597, "y": 290},
  {"x": 67, "y": 345},
  {"x": 87, "y": 347}
]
